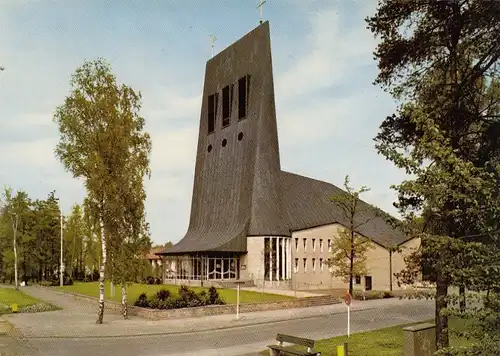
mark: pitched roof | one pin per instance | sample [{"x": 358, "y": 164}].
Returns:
[
  {"x": 153, "y": 253},
  {"x": 308, "y": 205}
]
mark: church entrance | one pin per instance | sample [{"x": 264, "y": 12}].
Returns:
[{"x": 202, "y": 267}]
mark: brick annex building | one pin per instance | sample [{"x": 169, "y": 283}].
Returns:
[{"x": 250, "y": 221}]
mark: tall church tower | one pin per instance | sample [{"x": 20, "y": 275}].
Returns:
[{"x": 237, "y": 190}]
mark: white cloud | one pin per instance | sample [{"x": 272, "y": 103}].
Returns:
[
  {"x": 172, "y": 104},
  {"x": 331, "y": 53},
  {"x": 174, "y": 150},
  {"x": 30, "y": 155}
]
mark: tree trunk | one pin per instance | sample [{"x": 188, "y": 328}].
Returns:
[
  {"x": 14, "y": 225},
  {"x": 442, "y": 340},
  {"x": 463, "y": 302},
  {"x": 100, "y": 314},
  {"x": 390, "y": 270},
  {"x": 124, "y": 302},
  {"x": 351, "y": 264}
]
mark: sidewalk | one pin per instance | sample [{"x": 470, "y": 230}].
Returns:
[{"x": 78, "y": 319}]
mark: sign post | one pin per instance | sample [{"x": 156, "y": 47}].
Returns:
[
  {"x": 238, "y": 302},
  {"x": 347, "y": 301},
  {"x": 238, "y": 299}
]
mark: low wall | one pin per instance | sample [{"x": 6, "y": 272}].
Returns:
[{"x": 211, "y": 310}]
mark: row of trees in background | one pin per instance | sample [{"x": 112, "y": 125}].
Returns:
[{"x": 31, "y": 229}]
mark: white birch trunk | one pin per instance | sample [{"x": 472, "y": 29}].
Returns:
[
  {"x": 124, "y": 301},
  {"x": 101, "y": 276},
  {"x": 15, "y": 252}
]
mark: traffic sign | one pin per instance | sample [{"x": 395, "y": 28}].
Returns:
[{"x": 347, "y": 298}]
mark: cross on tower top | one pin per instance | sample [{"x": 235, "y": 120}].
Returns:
[
  {"x": 260, "y": 10},
  {"x": 212, "y": 41}
]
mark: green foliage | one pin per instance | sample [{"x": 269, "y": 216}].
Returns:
[
  {"x": 440, "y": 60},
  {"x": 37, "y": 240},
  {"x": 102, "y": 141},
  {"x": 372, "y": 294},
  {"x": 185, "y": 298},
  {"x": 349, "y": 248},
  {"x": 345, "y": 246}
]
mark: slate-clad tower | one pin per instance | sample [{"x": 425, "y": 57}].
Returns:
[
  {"x": 250, "y": 220},
  {"x": 236, "y": 189}
]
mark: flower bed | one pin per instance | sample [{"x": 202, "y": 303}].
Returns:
[{"x": 186, "y": 298}]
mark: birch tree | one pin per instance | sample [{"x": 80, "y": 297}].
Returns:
[
  {"x": 101, "y": 142},
  {"x": 15, "y": 209},
  {"x": 349, "y": 248}
]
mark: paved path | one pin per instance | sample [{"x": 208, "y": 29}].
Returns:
[
  {"x": 291, "y": 293},
  {"x": 243, "y": 340},
  {"x": 73, "y": 331},
  {"x": 77, "y": 319}
]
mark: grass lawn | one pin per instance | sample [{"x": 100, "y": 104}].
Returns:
[
  {"x": 134, "y": 290},
  {"x": 9, "y": 296},
  {"x": 382, "y": 342}
]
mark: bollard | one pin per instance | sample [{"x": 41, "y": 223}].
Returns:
[{"x": 342, "y": 350}]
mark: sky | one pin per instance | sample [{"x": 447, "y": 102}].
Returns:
[{"x": 328, "y": 109}]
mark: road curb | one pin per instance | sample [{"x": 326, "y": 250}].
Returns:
[{"x": 192, "y": 330}]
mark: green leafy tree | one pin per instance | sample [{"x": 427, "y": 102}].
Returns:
[
  {"x": 439, "y": 60},
  {"x": 74, "y": 236},
  {"x": 349, "y": 248},
  {"x": 46, "y": 230},
  {"x": 101, "y": 141},
  {"x": 16, "y": 210}
]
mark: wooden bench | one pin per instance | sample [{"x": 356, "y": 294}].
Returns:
[{"x": 279, "y": 350}]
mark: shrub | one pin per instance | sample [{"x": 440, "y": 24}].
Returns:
[
  {"x": 204, "y": 297},
  {"x": 372, "y": 294},
  {"x": 163, "y": 295},
  {"x": 388, "y": 294},
  {"x": 142, "y": 301},
  {"x": 213, "y": 297},
  {"x": 150, "y": 280},
  {"x": 189, "y": 297},
  {"x": 36, "y": 308}
]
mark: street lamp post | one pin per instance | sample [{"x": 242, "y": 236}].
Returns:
[{"x": 61, "y": 274}]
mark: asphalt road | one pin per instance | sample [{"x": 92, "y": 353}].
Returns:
[{"x": 247, "y": 340}]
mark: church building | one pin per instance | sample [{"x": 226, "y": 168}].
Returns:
[{"x": 250, "y": 221}]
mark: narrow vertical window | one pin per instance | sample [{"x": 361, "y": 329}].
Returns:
[
  {"x": 226, "y": 106},
  {"x": 314, "y": 245},
  {"x": 329, "y": 245},
  {"x": 305, "y": 245},
  {"x": 212, "y": 112},
  {"x": 243, "y": 96},
  {"x": 321, "y": 264},
  {"x": 305, "y": 264},
  {"x": 296, "y": 244},
  {"x": 320, "y": 245},
  {"x": 314, "y": 264},
  {"x": 296, "y": 269}
]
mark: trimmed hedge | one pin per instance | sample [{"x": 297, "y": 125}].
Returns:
[
  {"x": 372, "y": 294},
  {"x": 186, "y": 298}
]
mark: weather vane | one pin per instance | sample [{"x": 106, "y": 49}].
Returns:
[
  {"x": 212, "y": 40},
  {"x": 260, "y": 10}
]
